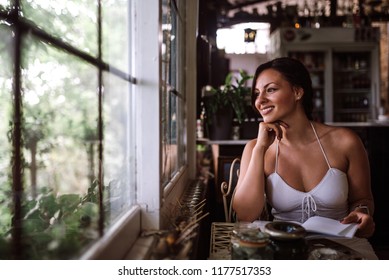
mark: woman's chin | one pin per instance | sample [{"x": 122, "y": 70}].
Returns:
[{"x": 268, "y": 119}]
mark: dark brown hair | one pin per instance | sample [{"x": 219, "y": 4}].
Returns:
[{"x": 295, "y": 73}]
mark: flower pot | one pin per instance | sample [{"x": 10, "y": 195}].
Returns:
[
  {"x": 249, "y": 129},
  {"x": 220, "y": 127}
]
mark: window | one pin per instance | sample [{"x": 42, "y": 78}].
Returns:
[
  {"x": 173, "y": 92},
  {"x": 93, "y": 129},
  {"x": 64, "y": 91}
]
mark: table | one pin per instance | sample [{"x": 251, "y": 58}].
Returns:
[{"x": 221, "y": 235}]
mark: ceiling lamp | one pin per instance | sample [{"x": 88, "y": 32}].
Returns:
[{"x": 249, "y": 35}]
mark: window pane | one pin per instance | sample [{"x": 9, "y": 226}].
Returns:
[
  {"x": 119, "y": 155},
  {"x": 115, "y": 33},
  {"x": 181, "y": 149},
  {"x": 74, "y": 21},
  {"x": 5, "y": 144},
  {"x": 169, "y": 140},
  {"x": 60, "y": 128},
  {"x": 5, "y": 3},
  {"x": 170, "y": 99},
  {"x": 60, "y": 139}
]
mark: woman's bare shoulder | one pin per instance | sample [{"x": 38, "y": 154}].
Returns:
[
  {"x": 248, "y": 149},
  {"x": 250, "y": 144},
  {"x": 338, "y": 136}
]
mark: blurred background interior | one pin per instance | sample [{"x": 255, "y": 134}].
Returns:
[{"x": 108, "y": 146}]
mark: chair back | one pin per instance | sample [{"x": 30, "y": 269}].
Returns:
[
  {"x": 220, "y": 243},
  {"x": 228, "y": 190}
]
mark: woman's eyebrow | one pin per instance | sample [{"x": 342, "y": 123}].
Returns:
[{"x": 266, "y": 85}]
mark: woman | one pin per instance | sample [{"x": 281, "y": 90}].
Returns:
[{"x": 305, "y": 168}]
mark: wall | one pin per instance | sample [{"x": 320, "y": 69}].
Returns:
[{"x": 247, "y": 62}]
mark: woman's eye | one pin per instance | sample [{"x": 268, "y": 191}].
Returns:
[{"x": 270, "y": 90}]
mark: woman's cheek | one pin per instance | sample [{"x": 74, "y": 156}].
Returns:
[{"x": 257, "y": 104}]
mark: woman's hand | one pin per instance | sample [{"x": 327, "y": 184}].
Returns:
[
  {"x": 366, "y": 225},
  {"x": 267, "y": 133}
]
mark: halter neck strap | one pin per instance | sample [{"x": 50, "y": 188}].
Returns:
[{"x": 318, "y": 140}]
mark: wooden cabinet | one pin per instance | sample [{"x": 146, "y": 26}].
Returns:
[{"x": 345, "y": 70}]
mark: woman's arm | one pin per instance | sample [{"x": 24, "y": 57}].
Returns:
[
  {"x": 249, "y": 196},
  {"x": 361, "y": 203}
]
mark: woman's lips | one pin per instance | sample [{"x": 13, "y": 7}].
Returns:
[{"x": 266, "y": 110}]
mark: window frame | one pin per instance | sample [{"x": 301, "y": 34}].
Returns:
[
  {"x": 22, "y": 27},
  {"x": 152, "y": 198}
]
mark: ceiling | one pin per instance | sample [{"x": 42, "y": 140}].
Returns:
[{"x": 230, "y": 12}]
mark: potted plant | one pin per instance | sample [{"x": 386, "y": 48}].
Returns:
[{"x": 225, "y": 103}]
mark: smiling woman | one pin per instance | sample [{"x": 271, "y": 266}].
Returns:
[{"x": 297, "y": 165}]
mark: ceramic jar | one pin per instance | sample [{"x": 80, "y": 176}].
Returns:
[
  {"x": 287, "y": 240},
  {"x": 250, "y": 244}
]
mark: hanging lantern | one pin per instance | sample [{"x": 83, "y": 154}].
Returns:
[{"x": 249, "y": 35}]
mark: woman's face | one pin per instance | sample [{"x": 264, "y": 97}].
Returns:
[{"x": 275, "y": 96}]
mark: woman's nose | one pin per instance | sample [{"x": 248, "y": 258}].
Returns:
[{"x": 261, "y": 98}]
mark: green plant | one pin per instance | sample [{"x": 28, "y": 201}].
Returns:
[
  {"x": 54, "y": 226},
  {"x": 232, "y": 95}
]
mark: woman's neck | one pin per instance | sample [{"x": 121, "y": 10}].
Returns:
[{"x": 298, "y": 132}]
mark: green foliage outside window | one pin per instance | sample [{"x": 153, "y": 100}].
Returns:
[
  {"x": 59, "y": 118},
  {"x": 54, "y": 227}
]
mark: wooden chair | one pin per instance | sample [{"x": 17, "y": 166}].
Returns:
[
  {"x": 228, "y": 190},
  {"x": 221, "y": 231}
]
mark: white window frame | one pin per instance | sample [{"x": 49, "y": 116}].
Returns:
[{"x": 146, "y": 67}]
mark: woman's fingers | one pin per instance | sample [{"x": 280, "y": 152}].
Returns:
[
  {"x": 283, "y": 124},
  {"x": 268, "y": 132},
  {"x": 366, "y": 225},
  {"x": 275, "y": 128},
  {"x": 266, "y": 135}
]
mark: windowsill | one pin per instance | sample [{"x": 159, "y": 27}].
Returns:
[
  {"x": 142, "y": 248},
  {"x": 119, "y": 238}
]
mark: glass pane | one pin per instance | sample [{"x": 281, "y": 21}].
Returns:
[
  {"x": 115, "y": 33},
  {"x": 181, "y": 147},
  {"x": 173, "y": 37},
  {"x": 170, "y": 140},
  {"x": 5, "y": 144},
  {"x": 166, "y": 29},
  {"x": 5, "y": 3},
  {"x": 119, "y": 155},
  {"x": 60, "y": 153},
  {"x": 74, "y": 21},
  {"x": 169, "y": 92}
]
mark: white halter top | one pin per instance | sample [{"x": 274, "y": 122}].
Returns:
[{"x": 328, "y": 199}]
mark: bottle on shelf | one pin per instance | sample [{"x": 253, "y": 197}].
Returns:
[
  {"x": 235, "y": 129},
  {"x": 317, "y": 102},
  {"x": 199, "y": 129}
]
